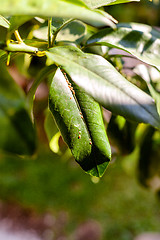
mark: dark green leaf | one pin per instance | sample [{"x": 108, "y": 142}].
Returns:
[
  {"x": 64, "y": 109},
  {"x": 148, "y": 164},
  {"x": 92, "y": 115},
  {"x": 106, "y": 85},
  {"x": 17, "y": 133},
  {"x": 140, "y": 40},
  {"x": 3, "y": 35},
  {"x": 88, "y": 141},
  {"x": 122, "y": 138},
  {"x": 17, "y": 21},
  {"x": 2, "y": 55},
  {"x": 45, "y": 72}
]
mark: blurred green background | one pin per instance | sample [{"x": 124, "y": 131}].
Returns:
[{"x": 116, "y": 207}]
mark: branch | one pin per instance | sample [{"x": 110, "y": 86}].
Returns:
[{"x": 21, "y": 47}]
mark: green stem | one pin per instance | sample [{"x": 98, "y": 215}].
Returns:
[
  {"x": 49, "y": 32},
  {"x": 18, "y": 37},
  {"x": 56, "y": 32},
  {"x": 21, "y": 47}
]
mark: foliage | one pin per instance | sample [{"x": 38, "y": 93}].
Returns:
[{"x": 71, "y": 52}]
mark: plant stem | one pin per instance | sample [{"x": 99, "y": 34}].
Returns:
[
  {"x": 22, "y": 47},
  {"x": 49, "y": 32},
  {"x": 18, "y": 37},
  {"x": 8, "y": 58},
  {"x": 56, "y": 32},
  {"x": 14, "y": 47}
]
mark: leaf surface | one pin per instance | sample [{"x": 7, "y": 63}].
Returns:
[
  {"x": 4, "y": 22},
  {"x": 145, "y": 73},
  {"x": 57, "y": 8},
  {"x": 78, "y": 130},
  {"x": 105, "y": 84},
  {"x": 92, "y": 115},
  {"x": 17, "y": 21},
  {"x": 100, "y": 3},
  {"x": 64, "y": 109},
  {"x": 140, "y": 40},
  {"x": 73, "y": 32}
]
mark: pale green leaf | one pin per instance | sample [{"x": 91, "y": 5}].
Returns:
[
  {"x": 100, "y": 3},
  {"x": 144, "y": 72},
  {"x": 140, "y": 40},
  {"x": 73, "y": 32},
  {"x": 4, "y": 22},
  {"x": 52, "y": 132},
  {"x": 57, "y": 8}
]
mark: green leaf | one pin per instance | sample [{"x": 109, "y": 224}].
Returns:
[
  {"x": 140, "y": 40},
  {"x": 64, "y": 109},
  {"x": 73, "y": 32},
  {"x": 52, "y": 132},
  {"x": 78, "y": 131},
  {"x": 4, "y": 22},
  {"x": 3, "y": 35},
  {"x": 17, "y": 21},
  {"x": 17, "y": 132},
  {"x": 57, "y": 8},
  {"x": 122, "y": 138},
  {"x": 148, "y": 164},
  {"x": 92, "y": 115},
  {"x": 2, "y": 55},
  {"x": 122, "y": 1},
  {"x": 43, "y": 73},
  {"x": 105, "y": 84},
  {"x": 100, "y": 3},
  {"x": 144, "y": 72}
]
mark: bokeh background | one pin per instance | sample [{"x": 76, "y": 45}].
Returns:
[{"x": 49, "y": 197}]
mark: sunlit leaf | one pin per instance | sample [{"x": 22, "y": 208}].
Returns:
[
  {"x": 140, "y": 40},
  {"x": 100, "y": 3},
  {"x": 57, "y": 8},
  {"x": 106, "y": 85},
  {"x": 52, "y": 132},
  {"x": 4, "y": 22},
  {"x": 73, "y": 31},
  {"x": 144, "y": 72}
]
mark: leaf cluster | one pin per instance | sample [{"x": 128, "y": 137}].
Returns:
[{"x": 71, "y": 52}]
